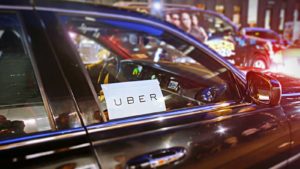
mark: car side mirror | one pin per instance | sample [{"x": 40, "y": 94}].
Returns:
[{"x": 263, "y": 89}]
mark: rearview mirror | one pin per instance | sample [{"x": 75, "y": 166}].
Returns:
[{"x": 263, "y": 89}]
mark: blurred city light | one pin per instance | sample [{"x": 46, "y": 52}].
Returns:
[{"x": 221, "y": 130}]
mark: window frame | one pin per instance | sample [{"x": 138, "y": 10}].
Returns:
[
  {"x": 29, "y": 53},
  {"x": 237, "y": 77}
]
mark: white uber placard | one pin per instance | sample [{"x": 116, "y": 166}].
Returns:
[{"x": 133, "y": 98}]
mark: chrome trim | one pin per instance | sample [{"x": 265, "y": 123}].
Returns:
[
  {"x": 222, "y": 61},
  {"x": 159, "y": 117},
  {"x": 290, "y": 94},
  {"x": 12, "y": 7},
  {"x": 35, "y": 155},
  {"x": 284, "y": 163},
  {"x": 40, "y": 140},
  {"x": 79, "y": 146}
]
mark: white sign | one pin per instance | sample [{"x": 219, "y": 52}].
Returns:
[{"x": 133, "y": 98}]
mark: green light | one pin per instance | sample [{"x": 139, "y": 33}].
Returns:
[{"x": 136, "y": 71}]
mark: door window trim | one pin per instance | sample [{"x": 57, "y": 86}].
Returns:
[
  {"x": 158, "y": 117},
  {"x": 182, "y": 112},
  {"x": 18, "y": 7},
  {"x": 28, "y": 140}
]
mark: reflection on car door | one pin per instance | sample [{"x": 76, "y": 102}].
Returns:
[
  {"x": 241, "y": 135},
  {"x": 291, "y": 104}
]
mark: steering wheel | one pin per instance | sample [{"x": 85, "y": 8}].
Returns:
[{"x": 212, "y": 94}]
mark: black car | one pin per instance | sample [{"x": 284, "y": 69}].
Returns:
[
  {"x": 86, "y": 86},
  {"x": 216, "y": 31},
  {"x": 277, "y": 41}
]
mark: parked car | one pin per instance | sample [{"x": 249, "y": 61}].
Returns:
[
  {"x": 216, "y": 31},
  {"x": 277, "y": 41},
  {"x": 86, "y": 86}
]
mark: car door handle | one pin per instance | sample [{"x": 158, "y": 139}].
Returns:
[{"x": 157, "y": 158}]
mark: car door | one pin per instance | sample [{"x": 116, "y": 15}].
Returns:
[
  {"x": 212, "y": 126},
  {"x": 39, "y": 125},
  {"x": 290, "y": 104}
]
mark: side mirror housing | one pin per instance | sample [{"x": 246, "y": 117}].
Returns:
[{"x": 263, "y": 89}]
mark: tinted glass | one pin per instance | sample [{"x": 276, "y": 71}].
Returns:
[
  {"x": 21, "y": 106},
  {"x": 215, "y": 25},
  {"x": 119, "y": 51}
]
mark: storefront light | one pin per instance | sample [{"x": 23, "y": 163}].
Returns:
[{"x": 156, "y": 5}]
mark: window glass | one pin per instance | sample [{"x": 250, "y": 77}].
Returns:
[
  {"x": 21, "y": 106},
  {"x": 215, "y": 26},
  {"x": 121, "y": 51}
]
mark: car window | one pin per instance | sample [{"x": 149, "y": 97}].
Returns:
[
  {"x": 21, "y": 106},
  {"x": 214, "y": 25},
  {"x": 129, "y": 54},
  {"x": 200, "y": 24},
  {"x": 189, "y": 22}
]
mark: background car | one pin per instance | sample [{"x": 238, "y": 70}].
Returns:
[
  {"x": 277, "y": 41},
  {"x": 216, "y": 31},
  {"x": 56, "y": 98}
]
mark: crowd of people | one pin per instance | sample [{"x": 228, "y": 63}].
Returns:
[
  {"x": 10, "y": 128},
  {"x": 189, "y": 23}
]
